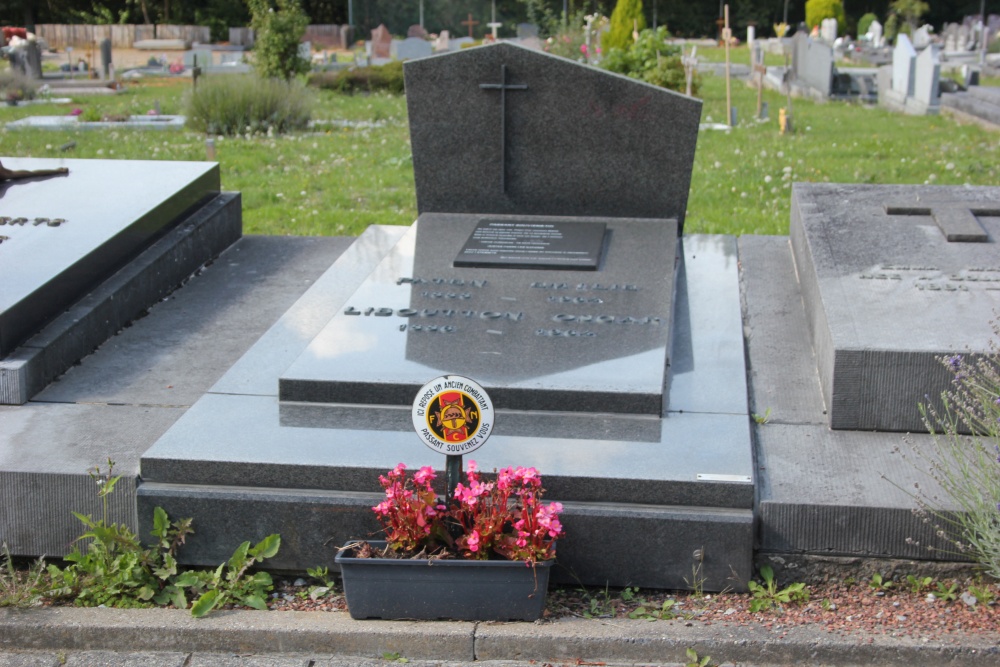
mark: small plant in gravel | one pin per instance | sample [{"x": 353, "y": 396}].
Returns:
[
  {"x": 694, "y": 660},
  {"x": 946, "y": 592},
  {"x": 918, "y": 585},
  {"x": 20, "y": 589},
  {"x": 650, "y": 612},
  {"x": 983, "y": 594},
  {"x": 326, "y": 583},
  {"x": 880, "y": 585},
  {"x": 769, "y": 596}
]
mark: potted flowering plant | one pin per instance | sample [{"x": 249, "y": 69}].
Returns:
[{"x": 484, "y": 554}]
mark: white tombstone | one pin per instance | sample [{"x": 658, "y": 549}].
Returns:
[
  {"x": 927, "y": 77},
  {"x": 751, "y": 36},
  {"x": 305, "y": 51},
  {"x": 828, "y": 30},
  {"x": 904, "y": 58},
  {"x": 922, "y": 37},
  {"x": 875, "y": 34},
  {"x": 443, "y": 41}
]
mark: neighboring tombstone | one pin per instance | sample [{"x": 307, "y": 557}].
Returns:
[
  {"x": 106, "y": 58},
  {"x": 33, "y": 59},
  {"x": 381, "y": 43},
  {"x": 921, "y": 37},
  {"x": 347, "y": 36},
  {"x": 950, "y": 35},
  {"x": 413, "y": 48},
  {"x": 641, "y": 173},
  {"x": 533, "y": 43},
  {"x": 525, "y": 30},
  {"x": 305, "y": 51},
  {"x": 970, "y": 76},
  {"x": 926, "y": 91},
  {"x": 893, "y": 277},
  {"x": 812, "y": 63},
  {"x": 458, "y": 44},
  {"x": 201, "y": 58},
  {"x": 443, "y": 42},
  {"x": 875, "y": 34},
  {"x": 904, "y": 58},
  {"x": 828, "y": 30},
  {"x": 416, "y": 30},
  {"x": 751, "y": 36}
]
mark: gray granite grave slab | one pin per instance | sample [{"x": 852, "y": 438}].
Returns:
[
  {"x": 117, "y": 301},
  {"x": 164, "y": 122},
  {"x": 535, "y": 339},
  {"x": 524, "y": 130},
  {"x": 47, "y": 264},
  {"x": 820, "y": 492},
  {"x": 926, "y": 80},
  {"x": 812, "y": 63},
  {"x": 413, "y": 48},
  {"x": 688, "y": 475},
  {"x": 904, "y": 58},
  {"x": 887, "y": 294}
]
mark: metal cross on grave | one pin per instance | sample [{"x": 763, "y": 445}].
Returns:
[
  {"x": 956, "y": 219},
  {"x": 503, "y": 87}
]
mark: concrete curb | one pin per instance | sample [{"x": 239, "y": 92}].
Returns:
[{"x": 609, "y": 641}]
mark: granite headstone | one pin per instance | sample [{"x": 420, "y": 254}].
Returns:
[
  {"x": 894, "y": 277},
  {"x": 550, "y": 137},
  {"x": 812, "y": 63},
  {"x": 413, "y": 48}
]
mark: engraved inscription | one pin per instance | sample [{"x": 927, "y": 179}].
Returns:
[{"x": 934, "y": 279}]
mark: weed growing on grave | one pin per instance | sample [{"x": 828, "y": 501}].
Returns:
[
  {"x": 946, "y": 592},
  {"x": 769, "y": 596},
  {"x": 964, "y": 458},
  {"x": 326, "y": 583},
  {"x": 762, "y": 418},
  {"x": 982, "y": 593},
  {"x": 115, "y": 570},
  {"x": 20, "y": 589}
]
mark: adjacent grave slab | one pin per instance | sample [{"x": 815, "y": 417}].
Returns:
[
  {"x": 164, "y": 122},
  {"x": 536, "y": 339},
  {"x": 886, "y": 293},
  {"x": 540, "y": 135},
  {"x": 125, "y": 395},
  {"x": 820, "y": 492},
  {"x": 80, "y": 228}
]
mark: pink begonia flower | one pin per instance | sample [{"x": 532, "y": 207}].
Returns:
[
  {"x": 76, "y": 112},
  {"x": 424, "y": 476},
  {"x": 583, "y": 49},
  {"x": 473, "y": 541},
  {"x": 598, "y": 50}
]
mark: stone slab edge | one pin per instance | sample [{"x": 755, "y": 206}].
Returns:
[
  {"x": 121, "y": 298},
  {"x": 617, "y": 641}
]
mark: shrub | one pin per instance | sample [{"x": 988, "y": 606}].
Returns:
[
  {"x": 235, "y": 105},
  {"x": 817, "y": 10},
  {"x": 277, "y": 34},
  {"x": 652, "y": 60},
  {"x": 388, "y": 77},
  {"x": 865, "y": 23},
  {"x": 625, "y": 17}
]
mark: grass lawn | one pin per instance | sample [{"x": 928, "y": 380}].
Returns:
[{"x": 354, "y": 169}]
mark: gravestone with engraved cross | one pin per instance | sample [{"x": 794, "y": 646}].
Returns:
[{"x": 893, "y": 278}]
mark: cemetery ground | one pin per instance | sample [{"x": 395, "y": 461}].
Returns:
[{"x": 353, "y": 168}]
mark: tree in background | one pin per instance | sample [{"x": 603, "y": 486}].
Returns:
[
  {"x": 865, "y": 22},
  {"x": 277, "y": 33},
  {"x": 904, "y": 16},
  {"x": 626, "y": 18},
  {"x": 817, "y": 10}
]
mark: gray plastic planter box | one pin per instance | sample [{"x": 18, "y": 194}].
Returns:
[{"x": 465, "y": 590}]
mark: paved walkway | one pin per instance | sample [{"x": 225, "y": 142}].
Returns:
[{"x": 163, "y": 637}]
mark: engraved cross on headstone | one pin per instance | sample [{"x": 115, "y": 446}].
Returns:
[
  {"x": 503, "y": 87},
  {"x": 956, "y": 219}
]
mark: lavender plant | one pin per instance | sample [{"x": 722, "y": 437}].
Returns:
[{"x": 964, "y": 457}]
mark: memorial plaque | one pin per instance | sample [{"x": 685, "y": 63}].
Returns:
[
  {"x": 536, "y": 339},
  {"x": 893, "y": 278},
  {"x": 517, "y": 244},
  {"x": 62, "y": 235}
]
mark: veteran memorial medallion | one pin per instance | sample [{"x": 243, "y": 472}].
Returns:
[{"x": 453, "y": 415}]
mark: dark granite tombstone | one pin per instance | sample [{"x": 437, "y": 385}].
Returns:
[
  {"x": 550, "y": 137},
  {"x": 893, "y": 278}
]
